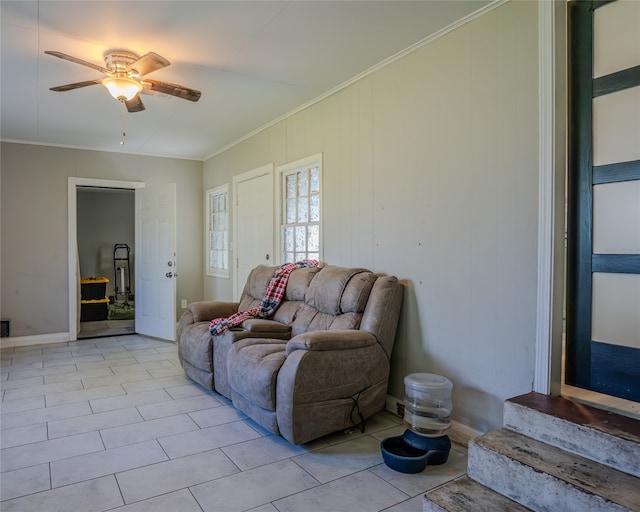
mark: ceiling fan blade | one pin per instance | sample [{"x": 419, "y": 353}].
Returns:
[
  {"x": 78, "y": 61},
  {"x": 147, "y": 63},
  {"x": 135, "y": 104},
  {"x": 179, "y": 91},
  {"x": 77, "y": 85}
]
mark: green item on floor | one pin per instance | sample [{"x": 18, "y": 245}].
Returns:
[{"x": 121, "y": 311}]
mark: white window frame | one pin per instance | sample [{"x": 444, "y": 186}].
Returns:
[
  {"x": 210, "y": 269},
  {"x": 282, "y": 172}
]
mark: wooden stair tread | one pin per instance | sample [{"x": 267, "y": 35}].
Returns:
[
  {"x": 465, "y": 494},
  {"x": 585, "y": 474},
  {"x": 582, "y": 414}
]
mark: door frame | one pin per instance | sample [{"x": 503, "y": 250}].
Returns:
[
  {"x": 72, "y": 239},
  {"x": 552, "y": 29},
  {"x": 259, "y": 172}
]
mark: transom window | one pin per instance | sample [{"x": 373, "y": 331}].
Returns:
[
  {"x": 217, "y": 242},
  {"x": 301, "y": 208}
]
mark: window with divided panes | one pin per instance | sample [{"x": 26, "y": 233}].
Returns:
[
  {"x": 218, "y": 231},
  {"x": 301, "y": 213}
]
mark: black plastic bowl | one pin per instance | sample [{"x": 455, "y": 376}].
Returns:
[
  {"x": 402, "y": 457},
  {"x": 438, "y": 448},
  {"x": 440, "y": 443}
]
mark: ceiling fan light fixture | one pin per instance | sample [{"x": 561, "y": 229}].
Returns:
[{"x": 122, "y": 88}]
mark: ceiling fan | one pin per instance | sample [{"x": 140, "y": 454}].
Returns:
[{"x": 125, "y": 71}]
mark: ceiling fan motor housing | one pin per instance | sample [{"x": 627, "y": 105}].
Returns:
[{"x": 117, "y": 62}]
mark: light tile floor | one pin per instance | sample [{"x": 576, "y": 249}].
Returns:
[
  {"x": 113, "y": 424},
  {"x": 103, "y": 328}
]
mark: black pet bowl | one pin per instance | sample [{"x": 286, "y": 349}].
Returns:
[
  {"x": 402, "y": 457},
  {"x": 438, "y": 448}
]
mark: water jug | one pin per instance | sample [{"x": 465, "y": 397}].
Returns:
[{"x": 427, "y": 404}]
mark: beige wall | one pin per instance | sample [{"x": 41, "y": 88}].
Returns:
[
  {"x": 430, "y": 173},
  {"x": 34, "y": 226}
]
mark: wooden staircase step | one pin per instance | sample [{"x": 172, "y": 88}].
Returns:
[
  {"x": 603, "y": 436},
  {"x": 543, "y": 477},
  {"x": 465, "y": 495}
]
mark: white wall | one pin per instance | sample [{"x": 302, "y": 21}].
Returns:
[
  {"x": 430, "y": 173},
  {"x": 34, "y": 226}
]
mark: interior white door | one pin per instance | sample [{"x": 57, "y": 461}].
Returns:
[
  {"x": 254, "y": 226},
  {"x": 155, "y": 263}
]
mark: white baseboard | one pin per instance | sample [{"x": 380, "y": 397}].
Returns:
[
  {"x": 38, "y": 339},
  {"x": 458, "y": 433}
]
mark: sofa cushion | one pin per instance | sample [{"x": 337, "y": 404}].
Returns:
[
  {"x": 196, "y": 347},
  {"x": 324, "y": 322},
  {"x": 356, "y": 292},
  {"x": 299, "y": 281},
  {"x": 326, "y": 288},
  {"x": 252, "y": 368},
  {"x": 256, "y": 286}
]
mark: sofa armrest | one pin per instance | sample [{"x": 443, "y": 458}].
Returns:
[
  {"x": 261, "y": 325},
  {"x": 205, "y": 311},
  {"x": 331, "y": 340}
]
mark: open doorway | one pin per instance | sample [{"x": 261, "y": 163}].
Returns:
[{"x": 105, "y": 241}]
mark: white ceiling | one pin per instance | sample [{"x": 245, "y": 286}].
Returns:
[{"x": 254, "y": 61}]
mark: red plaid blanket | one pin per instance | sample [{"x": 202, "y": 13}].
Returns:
[{"x": 269, "y": 303}]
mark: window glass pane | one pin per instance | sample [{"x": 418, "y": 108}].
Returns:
[
  {"x": 314, "y": 238},
  {"x": 616, "y": 131},
  {"x": 301, "y": 238},
  {"x": 214, "y": 205},
  {"x": 315, "y": 179},
  {"x": 291, "y": 185},
  {"x": 616, "y": 37},
  {"x": 289, "y": 257},
  {"x": 303, "y": 183},
  {"x": 313, "y": 256},
  {"x": 314, "y": 208},
  {"x": 303, "y": 210},
  {"x": 301, "y": 256},
  {"x": 223, "y": 202},
  {"x": 288, "y": 239},
  {"x": 291, "y": 211},
  {"x": 616, "y": 302},
  {"x": 616, "y": 218}
]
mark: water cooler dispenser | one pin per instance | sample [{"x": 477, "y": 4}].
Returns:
[{"x": 427, "y": 416}]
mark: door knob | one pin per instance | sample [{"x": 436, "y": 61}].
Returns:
[
  {"x": 169, "y": 263},
  {"x": 169, "y": 274},
  {"x": 266, "y": 257}
]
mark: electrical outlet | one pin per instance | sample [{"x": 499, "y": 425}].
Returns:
[{"x": 184, "y": 303}]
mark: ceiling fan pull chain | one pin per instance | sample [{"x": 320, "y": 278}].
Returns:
[{"x": 123, "y": 112}]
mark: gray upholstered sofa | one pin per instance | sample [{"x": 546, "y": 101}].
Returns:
[{"x": 318, "y": 365}]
